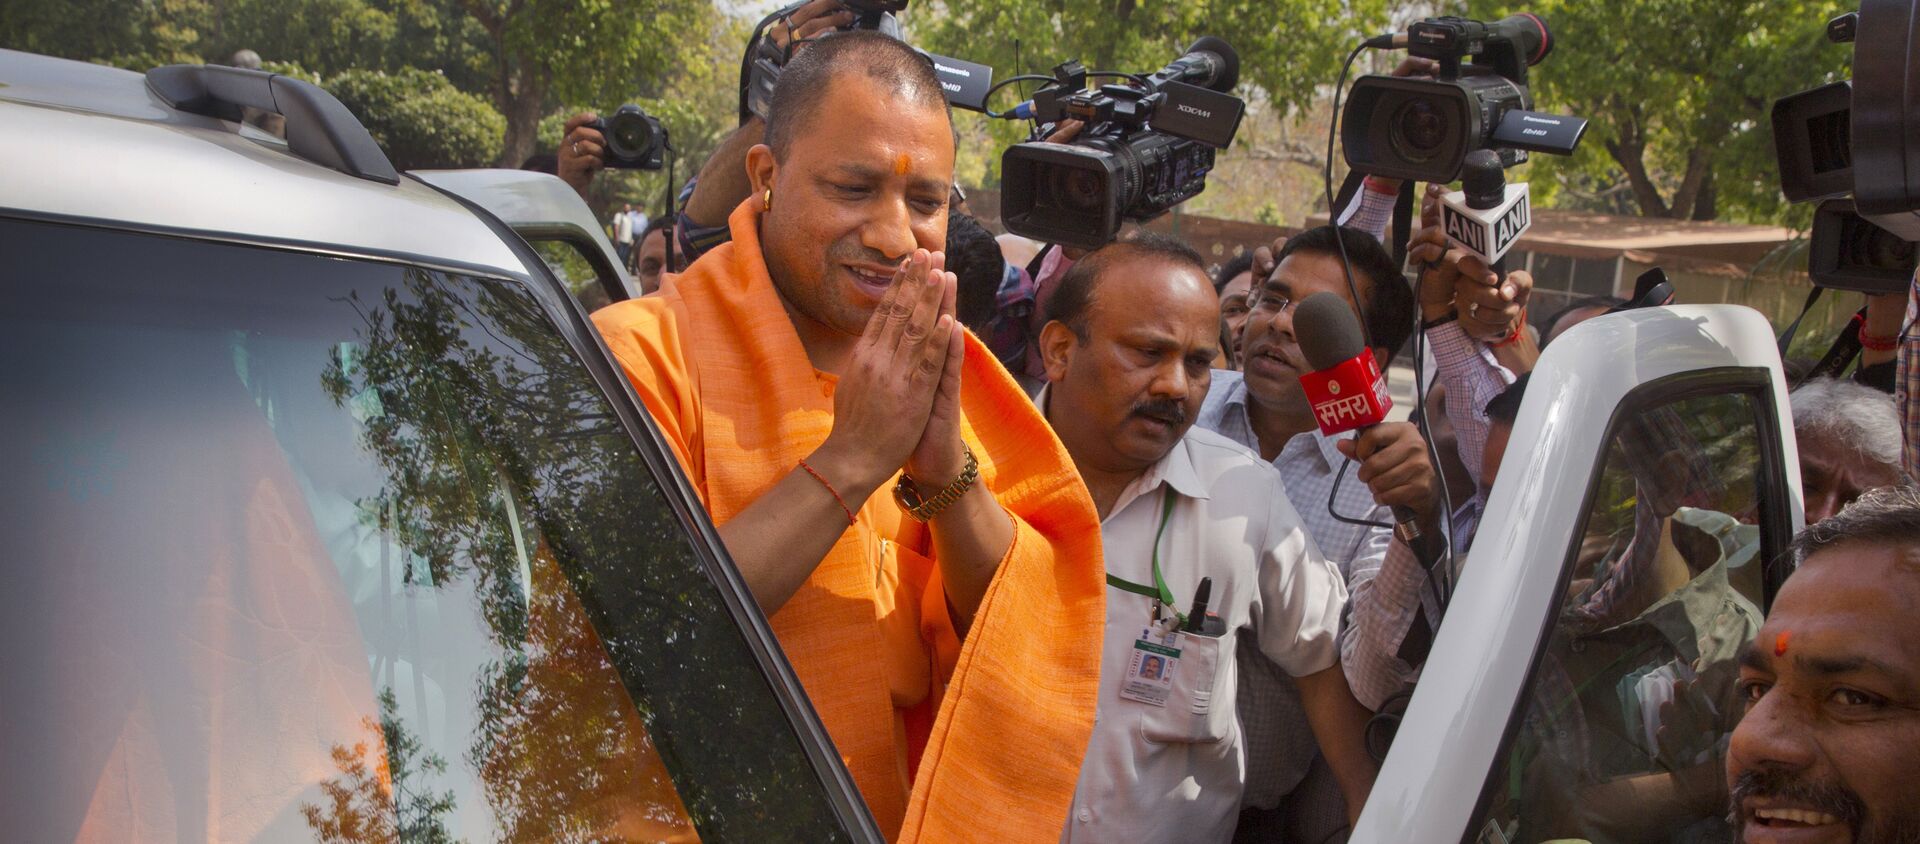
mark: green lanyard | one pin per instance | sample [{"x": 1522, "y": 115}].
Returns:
[{"x": 1158, "y": 591}]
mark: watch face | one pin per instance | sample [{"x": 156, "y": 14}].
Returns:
[{"x": 907, "y": 497}]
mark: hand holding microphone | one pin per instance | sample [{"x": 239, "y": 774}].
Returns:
[{"x": 1347, "y": 393}]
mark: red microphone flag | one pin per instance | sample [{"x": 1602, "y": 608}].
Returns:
[{"x": 1349, "y": 395}]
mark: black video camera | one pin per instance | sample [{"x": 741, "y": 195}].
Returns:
[
  {"x": 1422, "y": 129},
  {"x": 635, "y": 140},
  {"x": 1146, "y": 147},
  {"x": 1847, "y": 145}
]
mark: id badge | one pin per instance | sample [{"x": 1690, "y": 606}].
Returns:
[{"x": 1149, "y": 677}]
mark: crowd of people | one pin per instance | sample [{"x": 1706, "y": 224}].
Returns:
[{"x": 987, "y": 489}]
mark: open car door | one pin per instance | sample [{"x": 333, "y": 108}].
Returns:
[
  {"x": 553, "y": 220},
  {"x": 1582, "y": 685}
]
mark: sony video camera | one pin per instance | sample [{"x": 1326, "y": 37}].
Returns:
[
  {"x": 1422, "y": 129},
  {"x": 1847, "y": 145},
  {"x": 964, "y": 83},
  {"x": 635, "y": 140},
  {"x": 1146, "y": 147}
]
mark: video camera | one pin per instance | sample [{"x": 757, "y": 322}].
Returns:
[
  {"x": 964, "y": 83},
  {"x": 1146, "y": 147},
  {"x": 1848, "y": 144},
  {"x": 1422, "y": 129},
  {"x": 635, "y": 139}
]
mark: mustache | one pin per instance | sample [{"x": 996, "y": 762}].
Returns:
[
  {"x": 854, "y": 253},
  {"x": 1164, "y": 410},
  {"x": 1830, "y": 798}
]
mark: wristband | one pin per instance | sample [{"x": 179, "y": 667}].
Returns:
[
  {"x": 1877, "y": 344},
  {"x": 831, "y": 491},
  {"x": 1381, "y": 186},
  {"x": 1519, "y": 328},
  {"x": 1440, "y": 320}
]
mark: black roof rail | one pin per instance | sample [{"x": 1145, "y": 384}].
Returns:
[{"x": 319, "y": 128}]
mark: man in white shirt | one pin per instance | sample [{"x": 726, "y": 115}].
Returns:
[
  {"x": 1132, "y": 330},
  {"x": 623, "y": 232}
]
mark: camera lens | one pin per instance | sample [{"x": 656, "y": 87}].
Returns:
[
  {"x": 1870, "y": 247},
  {"x": 1076, "y": 189},
  {"x": 629, "y": 135},
  {"x": 1419, "y": 129}
]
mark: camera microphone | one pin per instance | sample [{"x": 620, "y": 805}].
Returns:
[
  {"x": 1487, "y": 216},
  {"x": 1209, "y": 63},
  {"x": 1527, "y": 32},
  {"x": 1345, "y": 388}
]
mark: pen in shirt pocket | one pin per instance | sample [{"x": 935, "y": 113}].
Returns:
[{"x": 1199, "y": 621}]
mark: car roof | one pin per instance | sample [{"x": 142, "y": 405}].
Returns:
[{"x": 93, "y": 143}]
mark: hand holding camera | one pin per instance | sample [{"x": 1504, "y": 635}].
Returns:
[{"x": 630, "y": 139}]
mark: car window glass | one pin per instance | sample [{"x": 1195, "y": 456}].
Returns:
[
  {"x": 568, "y": 262},
  {"x": 308, "y": 548},
  {"x": 1623, "y": 726}
]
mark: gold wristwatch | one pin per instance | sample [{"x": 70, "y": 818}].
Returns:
[{"x": 907, "y": 495}]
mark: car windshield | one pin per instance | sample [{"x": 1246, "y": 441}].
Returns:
[{"x": 311, "y": 548}]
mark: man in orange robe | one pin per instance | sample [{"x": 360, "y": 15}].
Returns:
[{"x": 797, "y": 371}]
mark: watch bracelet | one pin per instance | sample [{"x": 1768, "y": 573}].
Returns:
[{"x": 931, "y": 507}]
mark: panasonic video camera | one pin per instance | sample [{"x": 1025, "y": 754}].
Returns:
[
  {"x": 1422, "y": 129},
  {"x": 1847, "y": 144},
  {"x": 1147, "y": 146},
  {"x": 635, "y": 140}
]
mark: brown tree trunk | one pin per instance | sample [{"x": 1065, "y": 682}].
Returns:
[
  {"x": 1699, "y": 170},
  {"x": 1705, "y": 208},
  {"x": 522, "y": 102}
]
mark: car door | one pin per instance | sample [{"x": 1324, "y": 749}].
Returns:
[
  {"x": 1580, "y": 687},
  {"x": 551, "y": 217},
  {"x": 321, "y": 545}
]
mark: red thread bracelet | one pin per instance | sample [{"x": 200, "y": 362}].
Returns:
[
  {"x": 830, "y": 491},
  {"x": 1877, "y": 344},
  {"x": 1519, "y": 327}
]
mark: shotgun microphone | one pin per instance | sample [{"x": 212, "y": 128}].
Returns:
[{"x": 1345, "y": 387}]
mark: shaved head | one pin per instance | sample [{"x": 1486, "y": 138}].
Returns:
[{"x": 883, "y": 59}]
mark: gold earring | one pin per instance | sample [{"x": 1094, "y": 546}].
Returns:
[{"x": 767, "y": 200}]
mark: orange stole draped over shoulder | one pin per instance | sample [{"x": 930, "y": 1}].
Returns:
[{"x": 947, "y": 742}]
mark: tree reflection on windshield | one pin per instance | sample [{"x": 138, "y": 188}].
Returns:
[{"x": 507, "y": 474}]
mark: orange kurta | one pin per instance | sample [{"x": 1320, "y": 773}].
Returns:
[{"x": 947, "y": 742}]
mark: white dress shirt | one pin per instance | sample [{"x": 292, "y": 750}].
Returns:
[{"x": 1175, "y": 772}]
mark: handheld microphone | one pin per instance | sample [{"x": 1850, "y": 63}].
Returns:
[
  {"x": 1487, "y": 216},
  {"x": 1345, "y": 387}
]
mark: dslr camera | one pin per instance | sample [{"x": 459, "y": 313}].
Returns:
[
  {"x": 635, "y": 139},
  {"x": 1422, "y": 129},
  {"x": 965, "y": 83},
  {"x": 1847, "y": 144},
  {"x": 1147, "y": 146}
]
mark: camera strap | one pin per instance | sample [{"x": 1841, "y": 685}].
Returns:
[
  {"x": 1786, "y": 337},
  {"x": 1402, "y": 222},
  {"x": 1840, "y": 355}
]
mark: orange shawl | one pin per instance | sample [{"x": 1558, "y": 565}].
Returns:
[{"x": 946, "y": 742}]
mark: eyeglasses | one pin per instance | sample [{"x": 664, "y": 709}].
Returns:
[{"x": 1270, "y": 303}]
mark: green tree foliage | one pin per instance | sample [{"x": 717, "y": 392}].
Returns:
[
  {"x": 333, "y": 36},
  {"x": 578, "y": 51},
  {"x": 420, "y": 119},
  {"x": 130, "y": 35},
  {"x": 696, "y": 104},
  {"x": 382, "y": 801},
  {"x": 1678, "y": 92}
]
